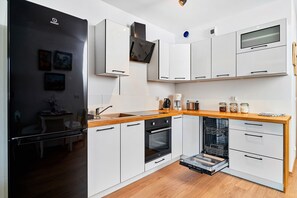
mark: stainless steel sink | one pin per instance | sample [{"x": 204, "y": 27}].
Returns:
[{"x": 116, "y": 115}]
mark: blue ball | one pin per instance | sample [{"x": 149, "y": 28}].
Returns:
[{"x": 186, "y": 34}]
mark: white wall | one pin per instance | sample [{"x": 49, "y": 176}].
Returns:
[
  {"x": 273, "y": 94},
  {"x": 3, "y": 99},
  {"x": 136, "y": 92}
]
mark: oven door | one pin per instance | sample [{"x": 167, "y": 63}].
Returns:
[{"x": 157, "y": 143}]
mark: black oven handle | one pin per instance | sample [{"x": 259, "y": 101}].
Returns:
[{"x": 159, "y": 130}]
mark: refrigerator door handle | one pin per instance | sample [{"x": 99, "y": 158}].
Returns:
[{"x": 46, "y": 137}]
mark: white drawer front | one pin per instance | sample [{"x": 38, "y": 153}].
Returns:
[
  {"x": 157, "y": 162},
  {"x": 258, "y": 143},
  {"x": 263, "y": 167},
  {"x": 263, "y": 127}
]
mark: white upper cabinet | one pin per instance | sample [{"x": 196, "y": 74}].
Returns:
[
  {"x": 201, "y": 60},
  {"x": 262, "y": 36},
  {"x": 224, "y": 56},
  {"x": 112, "y": 49},
  {"x": 158, "y": 68},
  {"x": 271, "y": 61},
  {"x": 180, "y": 62}
]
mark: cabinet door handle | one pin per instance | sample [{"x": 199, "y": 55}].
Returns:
[
  {"x": 253, "y": 124},
  {"x": 118, "y": 71},
  {"x": 223, "y": 75},
  {"x": 106, "y": 129},
  {"x": 131, "y": 125},
  {"x": 259, "y": 136},
  {"x": 177, "y": 118},
  {"x": 180, "y": 78},
  {"x": 164, "y": 77},
  {"x": 257, "y": 72},
  {"x": 258, "y": 46},
  {"x": 198, "y": 77},
  {"x": 256, "y": 158},
  {"x": 160, "y": 161}
]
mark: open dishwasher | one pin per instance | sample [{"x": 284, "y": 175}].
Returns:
[{"x": 214, "y": 155}]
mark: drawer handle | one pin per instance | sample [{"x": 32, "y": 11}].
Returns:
[
  {"x": 180, "y": 78},
  {"x": 256, "y": 158},
  {"x": 160, "y": 161},
  {"x": 253, "y": 124},
  {"x": 164, "y": 77},
  {"x": 259, "y": 136},
  {"x": 222, "y": 75},
  {"x": 259, "y": 46},
  {"x": 119, "y": 71},
  {"x": 131, "y": 125},
  {"x": 198, "y": 77},
  {"x": 106, "y": 129},
  {"x": 177, "y": 118},
  {"x": 257, "y": 72}
]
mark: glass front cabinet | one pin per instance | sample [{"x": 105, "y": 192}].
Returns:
[{"x": 260, "y": 37}]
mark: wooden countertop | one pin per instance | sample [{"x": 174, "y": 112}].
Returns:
[{"x": 216, "y": 114}]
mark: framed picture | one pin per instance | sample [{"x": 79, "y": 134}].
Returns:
[
  {"x": 54, "y": 82},
  {"x": 44, "y": 60},
  {"x": 63, "y": 61}
]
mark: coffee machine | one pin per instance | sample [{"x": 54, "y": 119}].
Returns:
[{"x": 177, "y": 104}]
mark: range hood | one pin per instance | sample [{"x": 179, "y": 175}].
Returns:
[{"x": 140, "y": 49}]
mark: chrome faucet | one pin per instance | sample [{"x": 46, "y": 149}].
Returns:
[{"x": 98, "y": 112}]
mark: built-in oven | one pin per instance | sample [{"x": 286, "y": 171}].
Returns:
[
  {"x": 157, "y": 138},
  {"x": 214, "y": 155}
]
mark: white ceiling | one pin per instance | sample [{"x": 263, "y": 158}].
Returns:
[{"x": 169, "y": 15}]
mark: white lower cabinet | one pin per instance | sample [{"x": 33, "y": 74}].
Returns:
[
  {"x": 257, "y": 165},
  {"x": 259, "y": 143},
  {"x": 191, "y": 128},
  {"x": 177, "y": 136},
  {"x": 157, "y": 162},
  {"x": 104, "y": 163},
  {"x": 256, "y": 151},
  {"x": 132, "y": 149}
]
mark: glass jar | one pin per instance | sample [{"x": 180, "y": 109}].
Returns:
[
  {"x": 223, "y": 106},
  {"x": 244, "y": 107},
  {"x": 233, "y": 107}
]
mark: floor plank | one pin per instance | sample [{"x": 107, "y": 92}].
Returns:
[{"x": 176, "y": 181}]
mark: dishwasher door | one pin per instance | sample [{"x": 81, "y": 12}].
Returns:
[{"x": 204, "y": 163}]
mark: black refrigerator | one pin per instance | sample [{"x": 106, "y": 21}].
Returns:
[{"x": 47, "y": 104}]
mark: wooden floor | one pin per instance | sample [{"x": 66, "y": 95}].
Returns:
[{"x": 178, "y": 181}]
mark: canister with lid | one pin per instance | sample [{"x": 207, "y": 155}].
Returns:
[
  {"x": 223, "y": 106},
  {"x": 244, "y": 108},
  {"x": 233, "y": 107}
]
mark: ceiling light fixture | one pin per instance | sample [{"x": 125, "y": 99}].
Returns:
[{"x": 182, "y": 2}]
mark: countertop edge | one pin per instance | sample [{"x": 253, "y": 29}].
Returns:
[{"x": 215, "y": 114}]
